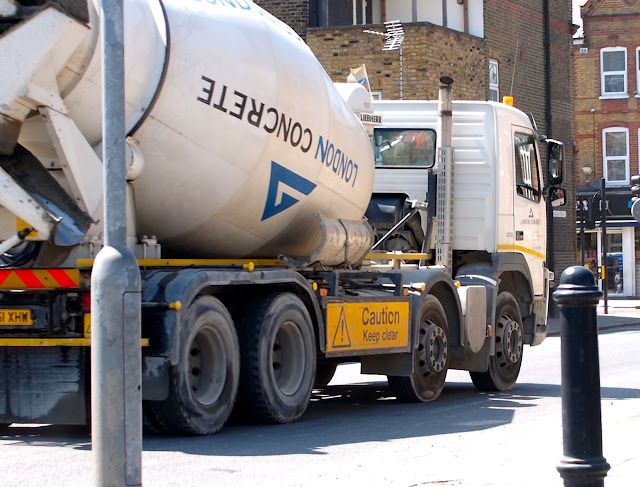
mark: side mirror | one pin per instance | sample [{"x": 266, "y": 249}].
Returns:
[
  {"x": 555, "y": 161},
  {"x": 558, "y": 197}
]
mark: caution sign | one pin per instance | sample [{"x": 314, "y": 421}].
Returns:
[
  {"x": 341, "y": 337},
  {"x": 367, "y": 326}
]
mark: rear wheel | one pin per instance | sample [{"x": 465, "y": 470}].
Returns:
[
  {"x": 430, "y": 358},
  {"x": 204, "y": 383},
  {"x": 277, "y": 344},
  {"x": 504, "y": 366}
]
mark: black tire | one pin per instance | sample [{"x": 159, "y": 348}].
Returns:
[
  {"x": 504, "y": 366},
  {"x": 324, "y": 373},
  {"x": 277, "y": 346},
  {"x": 4, "y": 428},
  {"x": 430, "y": 357},
  {"x": 149, "y": 424},
  {"x": 204, "y": 383}
]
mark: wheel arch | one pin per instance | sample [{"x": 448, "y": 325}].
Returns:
[
  {"x": 447, "y": 295},
  {"x": 443, "y": 288},
  {"x": 513, "y": 272},
  {"x": 163, "y": 325}
]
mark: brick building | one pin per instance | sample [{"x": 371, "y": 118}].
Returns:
[
  {"x": 607, "y": 121},
  {"x": 490, "y": 48}
]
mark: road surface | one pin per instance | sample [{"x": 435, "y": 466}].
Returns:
[{"x": 355, "y": 433}]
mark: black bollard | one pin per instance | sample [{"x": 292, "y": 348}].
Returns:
[{"x": 582, "y": 464}]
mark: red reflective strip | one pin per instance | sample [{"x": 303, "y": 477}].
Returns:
[
  {"x": 4, "y": 275},
  {"x": 29, "y": 278},
  {"x": 61, "y": 276}
]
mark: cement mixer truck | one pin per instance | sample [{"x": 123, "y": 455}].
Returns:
[{"x": 249, "y": 177}]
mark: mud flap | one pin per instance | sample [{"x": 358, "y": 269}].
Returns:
[{"x": 46, "y": 385}]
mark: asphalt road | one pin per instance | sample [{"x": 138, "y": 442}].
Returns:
[{"x": 355, "y": 433}]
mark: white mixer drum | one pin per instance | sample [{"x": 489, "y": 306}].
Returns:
[{"x": 247, "y": 139}]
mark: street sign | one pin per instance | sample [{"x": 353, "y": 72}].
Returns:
[
  {"x": 367, "y": 326},
  {"x": 635, "y": 210}
]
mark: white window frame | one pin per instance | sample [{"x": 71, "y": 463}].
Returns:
[
  {"x": 617, "y": 94},
  {"x": 494, "y": 86},
  {"x": 605, "y": 158},
  {"x": 376, "y": 95},
  {"x": 638, "y": 72}
]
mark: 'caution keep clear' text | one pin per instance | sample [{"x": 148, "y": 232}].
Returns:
[{"x": 367, "y": 326}]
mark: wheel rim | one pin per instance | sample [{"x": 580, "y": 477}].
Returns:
[
  {"x": 207, "y": 366},
  {"x": 432, "y": 349},
  {"x": 510, "y": 334},
  {"x": 287, "y": 359}
]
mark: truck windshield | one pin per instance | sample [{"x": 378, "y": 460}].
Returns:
[{"x": 404, "y": 147}]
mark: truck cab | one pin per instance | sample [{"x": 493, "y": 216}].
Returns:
[{"x": 498, "y": 209}]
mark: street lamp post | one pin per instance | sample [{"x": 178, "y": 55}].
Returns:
[{"x": 116, "y": 377}]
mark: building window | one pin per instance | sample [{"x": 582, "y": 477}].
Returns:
[
  {"x": 527, "y": 176},
  {"x": 494, "y": 81},
  {"x": 327, "y": 13},
  {"x": 376, "y": 95},
  {"x": 638, "y": 71},
  {"x": 461, "y": 15},
  {"x": 613, "y": 66},
  {"x": 615, "y": 143}
]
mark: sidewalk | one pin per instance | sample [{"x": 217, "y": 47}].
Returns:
[{"x": 621, "y": 313}]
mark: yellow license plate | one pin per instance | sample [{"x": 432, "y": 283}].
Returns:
[{"x": 15, "y": 317}]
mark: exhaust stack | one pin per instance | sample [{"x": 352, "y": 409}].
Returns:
[{"x": 444, "y": 173}]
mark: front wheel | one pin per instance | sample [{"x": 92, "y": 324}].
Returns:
[
  {"x": 430, "y": 357},
  {"x": 504, "y": 366}
]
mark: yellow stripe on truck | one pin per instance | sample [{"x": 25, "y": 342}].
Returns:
[
  {"x": 53, "y": 342},
  {"x": 196, "y": 262},
  {"x": 525, "y": 250}
]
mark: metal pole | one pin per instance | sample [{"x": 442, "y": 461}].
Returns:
[
  {"x": 401, "y": 75},
  {"x": 582, "y": 464},
  {"x": 605, "y": 244},
  {"x": 582, "y": 231},
  {"x": 116, "y": 411}
]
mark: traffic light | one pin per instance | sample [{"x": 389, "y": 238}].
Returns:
[
  {"x": 635, "y": 197},
  {"x": 589, "y": 216},
  {"x": 635, "y": 187}
]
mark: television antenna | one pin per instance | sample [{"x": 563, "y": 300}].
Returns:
[{"x": 394, "y": 35}]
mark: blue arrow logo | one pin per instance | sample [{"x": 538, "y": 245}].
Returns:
[{"x": 282, "y": 175}]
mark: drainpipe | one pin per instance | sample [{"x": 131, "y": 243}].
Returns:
[{"x": 551, "y": 260}]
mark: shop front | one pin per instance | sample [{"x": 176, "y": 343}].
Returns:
[{"x": 622, "y": 276}]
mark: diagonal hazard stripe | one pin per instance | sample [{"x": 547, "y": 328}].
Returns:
[
  {"x": 29, "y": 278},
  {"x": 63, "y": 277},
  {"x": 39, "y": 278}
]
